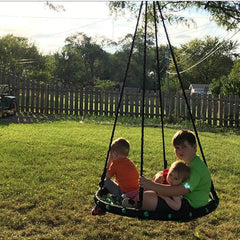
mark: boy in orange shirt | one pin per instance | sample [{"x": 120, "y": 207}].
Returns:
[{"x": 123, "y": 170}]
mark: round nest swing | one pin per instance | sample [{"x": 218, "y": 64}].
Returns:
[{"x": 105, "y": 201}]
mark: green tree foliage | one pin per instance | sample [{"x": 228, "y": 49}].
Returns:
[
  {"x": 224, "y": 13},
  {"x": 70, "y": 67},
  {"x": 105, "y": 84},
  {"x": 135, "y": 73},
  {"x": 20, "y": 57},
  {"x": 228, "y": 85},
  {"x": 81, "y": 61},
  {"x": 201, "y": 61},
  {"x": 91, "y": 53}
]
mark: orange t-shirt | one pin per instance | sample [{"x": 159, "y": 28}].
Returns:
[{"x": 125, "y": 173}]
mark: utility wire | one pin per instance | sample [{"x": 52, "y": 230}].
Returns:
[{"x": 206, "y": 56}]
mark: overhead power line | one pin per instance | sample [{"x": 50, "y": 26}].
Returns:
[{"x": 206, "y": 56}]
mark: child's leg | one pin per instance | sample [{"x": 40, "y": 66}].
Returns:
[
  {"x": 150, "y": 201},
  {"x": 113, "y": 188}
]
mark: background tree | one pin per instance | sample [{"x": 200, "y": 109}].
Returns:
[
  {"x": 82, "y": 61},
  {"x": 135, "y": 73},
  {"x": 70, "y": 68},
  {"x": 91, "y": 53},
  {"x": 201, "y": 61},
  {"x": 21, "y": 57},
  {"x": 228, "y": 85},
  {"x": 224, "y": 13}
]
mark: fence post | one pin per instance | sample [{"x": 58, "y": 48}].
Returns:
[
  {"x": 51, "y": 97},
  {"x": 27, "y": 95},
  {"x": 209, "y": 109},
  {"x": 23, "y": 95},
  {"x": 86, "y": 109},
  {"x": 137, "y": 102},
  {"x": 96, "y": 94},
  {"x": 90, "y": 100},
  {"x": 66, "y": 106},
  {"x": 17, "y": 90},
  {"x": 225, "y": 111},
  {"x": 198, "y": 105},
  {"x": 81, "y": 101},
  {"x": 76, "y": 109},
  {"x": 215, "y": 110},
  {"x": 106, "y": 102},
  {"x": 46, "y": 98},
  {"x": 237, "y": 111},
  {"x": 71, "y": 100},
  {"x": 101, "y": 100},
  {"x": 220, "y": 110},
  {"x": 231, "y": 110},
  {"x": 56, "y": 105},
  {"x": 193, "y": 106},
  {"x": 204, "y": 106}
]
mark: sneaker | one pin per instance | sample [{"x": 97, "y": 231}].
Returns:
[
  {"x": 98, "y": 211},
  {"x": 128, "y": 202}
]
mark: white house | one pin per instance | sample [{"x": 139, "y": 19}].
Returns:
[{"x": 199, "y": 88}]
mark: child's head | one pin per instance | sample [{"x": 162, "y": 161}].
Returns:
[
  {"x": 120, "y": 146},
  {"x": 185, "y": 146},
  {"x": 179, "y": 172},
  {"x": 182, "y": 136}
]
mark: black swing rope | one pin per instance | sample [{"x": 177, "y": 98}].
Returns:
[
  {"x": 143, "y": 104},
  {"x": 120, "y": 98},
  {"x": 159, "y": 86},
  {"x": 184, "y": 94},
  {"x": 138, "y": 213}
]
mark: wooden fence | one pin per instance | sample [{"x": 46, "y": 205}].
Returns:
[{"x": 55, "y": 99}]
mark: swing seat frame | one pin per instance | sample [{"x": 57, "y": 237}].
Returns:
[{"x": 176, "y": 216}]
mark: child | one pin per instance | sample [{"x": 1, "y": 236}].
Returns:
[
  {"x": 123, "y": 170},
  {"x": 195, "y": 190},
  {"x": 179, "y": 172}
]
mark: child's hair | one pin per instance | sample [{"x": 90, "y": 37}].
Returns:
[
  {"x": 182, "y": 170},
  {"x": 121, "y": 145},
  {"x": 184, "y": 135}
]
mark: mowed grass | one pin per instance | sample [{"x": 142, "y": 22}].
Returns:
[{"x": 50, "y": 171}]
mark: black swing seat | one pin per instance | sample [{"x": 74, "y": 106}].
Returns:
[{"x": 109, "y": 206}]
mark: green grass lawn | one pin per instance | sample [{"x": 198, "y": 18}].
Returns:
[{"x": 49, "y": 172}]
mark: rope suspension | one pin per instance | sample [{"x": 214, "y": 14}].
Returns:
[
  {"x": 184, "y": 93},
  {"x": 159, "y": 86},
  {"x": 143, "y": 102},
  {"x": 121, "y": 96}
]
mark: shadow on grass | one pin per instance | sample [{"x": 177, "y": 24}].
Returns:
[
  {"x": 23, "y": 117},
  {"x": 27, "y": 117}
]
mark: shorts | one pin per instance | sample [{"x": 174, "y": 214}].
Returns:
[
  {"x": 163, "y": 208},
  {"x": 133, "y": 195}
]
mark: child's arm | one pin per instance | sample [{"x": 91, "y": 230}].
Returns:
[
  {"x": 108, "y": 176},
  {"x": 162, "y": 189},
  {"x": 173, "y": 202}
]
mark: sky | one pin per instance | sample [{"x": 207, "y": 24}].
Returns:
[{"x": 48, "y": 29}]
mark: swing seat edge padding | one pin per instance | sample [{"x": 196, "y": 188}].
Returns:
[{"x": 153, "y": 215}]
